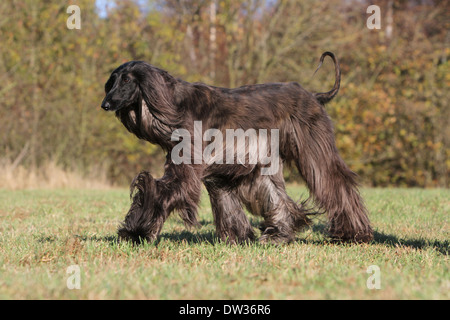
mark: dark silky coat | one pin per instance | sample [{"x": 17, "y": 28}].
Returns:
[{"x": 152, "y": 104}]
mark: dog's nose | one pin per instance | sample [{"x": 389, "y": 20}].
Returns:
[{"x": 106, "y": 106}]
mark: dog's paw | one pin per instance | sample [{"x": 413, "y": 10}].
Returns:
[
  {"x": 135, "y": 236},
  {"x": 272, "y": 235}
]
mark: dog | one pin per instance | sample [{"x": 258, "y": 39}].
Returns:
[{"x": 153, "y": 105}]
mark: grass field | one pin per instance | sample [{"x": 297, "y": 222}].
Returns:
[{"x": 43, "y": 232}]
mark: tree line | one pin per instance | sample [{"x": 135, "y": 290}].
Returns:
[{"x": 391, "y": 115}]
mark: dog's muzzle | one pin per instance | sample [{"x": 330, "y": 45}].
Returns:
[{"x": 106, "y": 106}]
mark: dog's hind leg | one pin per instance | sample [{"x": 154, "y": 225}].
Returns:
[{"x": 332, "y": 184}]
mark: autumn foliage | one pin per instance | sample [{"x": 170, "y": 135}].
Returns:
[{"x": 391, "y": 115}]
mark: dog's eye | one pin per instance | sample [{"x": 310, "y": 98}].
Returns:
[{"x": 126, "y": 79}]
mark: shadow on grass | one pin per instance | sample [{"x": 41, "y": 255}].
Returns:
[
  {"x": 176, "y": 236},
  {"x": 379, "y": 238},
  {"x": 190, "y": 237},
  {"x": 388, "y": 240},
  {"x": 107, "y": 239},
  {"x": 210, "y": 237},
  {"x": 111, "y": 240},
  {"x": 393, "y": 241},
  {"x": 384, "y": 239}
]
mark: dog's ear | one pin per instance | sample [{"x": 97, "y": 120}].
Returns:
[{"x": 157, "y": 90}]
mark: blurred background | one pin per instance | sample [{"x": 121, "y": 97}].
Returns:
[{"x": 391, "y": 115}]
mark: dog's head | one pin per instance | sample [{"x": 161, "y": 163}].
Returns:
[
  {"x": 123, "y": 86},
  {"x": 136, "y": 82}
]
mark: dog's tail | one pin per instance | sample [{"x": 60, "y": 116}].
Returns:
[{"x": 327, "y": 96}]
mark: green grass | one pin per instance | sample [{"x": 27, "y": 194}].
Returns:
[{"x": 43, "y": 232}]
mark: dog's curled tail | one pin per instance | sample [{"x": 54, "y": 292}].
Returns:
[{"x": 327, "y": 96}]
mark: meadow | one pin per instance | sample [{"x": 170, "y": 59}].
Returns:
[{"x": 43, "y": 232}]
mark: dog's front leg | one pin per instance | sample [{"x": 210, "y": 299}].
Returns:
[
  {"x": 153, "y": 200},
  {"x": 146, "y": 216}
]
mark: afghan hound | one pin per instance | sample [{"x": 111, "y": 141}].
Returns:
[{"x": 164, "y": 110}]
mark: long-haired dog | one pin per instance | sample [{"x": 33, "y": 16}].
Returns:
[{"x": 153, "y": 105}]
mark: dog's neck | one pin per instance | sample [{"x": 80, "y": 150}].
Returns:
[
  {"x": 141, "y": 122},
  {"x": 157, "y": 116}
]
